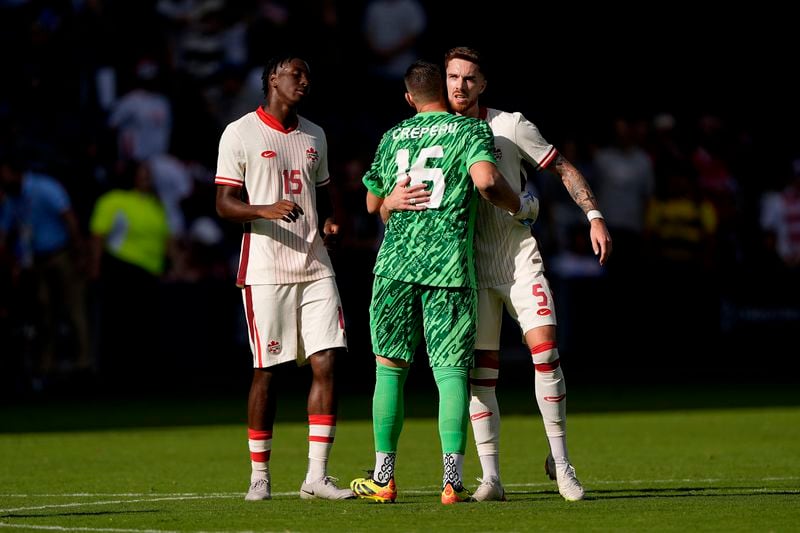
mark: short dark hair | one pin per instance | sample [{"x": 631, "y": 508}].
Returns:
[
  {"x": 467, "y": 54},
  {"x": 272, "y": 66},
  {"x": 424, "y": 80}
]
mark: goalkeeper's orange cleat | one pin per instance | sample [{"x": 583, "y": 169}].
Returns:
[
  {"x": 454, "y": 494},
  {"x": 369, "y": 489}
]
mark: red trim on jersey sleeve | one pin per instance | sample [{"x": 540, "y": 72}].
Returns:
[
  {"x": 323, "y": 183},
  {"x": 233, "y": 182},
  {"x": 549, "y": 157},
  {"x": 273, "y": 122}
]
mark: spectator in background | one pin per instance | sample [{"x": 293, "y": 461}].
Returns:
[
  {"x": 40, "y": 231},
  {"x": 173, "y": 182},
  {"x": 142, "y": 117},
  {"x": 780, "y": 219},
  {"x": 681, "y": 225},
  {"x": 681, "y": 239},
  {"x": 392, "y": 30},
  {"x": 713, "y": 158},
  {"x": 625, "y": 182},
  {"x": 130, "y": 252}
]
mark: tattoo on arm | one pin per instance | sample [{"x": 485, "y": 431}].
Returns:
[{"x": 575, "y": 183}]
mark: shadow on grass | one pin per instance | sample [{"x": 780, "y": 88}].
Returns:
[{"x": 83, "y": 513}]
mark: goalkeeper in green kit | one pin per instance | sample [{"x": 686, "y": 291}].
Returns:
[{"x": 424, "y": 275}]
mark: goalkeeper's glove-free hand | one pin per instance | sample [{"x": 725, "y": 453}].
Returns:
[{"x": 528, "y": 209}]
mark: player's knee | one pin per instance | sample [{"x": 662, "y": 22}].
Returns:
[{"x": 545, "y": 357}]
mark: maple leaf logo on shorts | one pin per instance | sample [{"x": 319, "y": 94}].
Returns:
[{"x": 274, "y": 347}]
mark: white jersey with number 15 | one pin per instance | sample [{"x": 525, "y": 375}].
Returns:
[{"x": 271, "y": 163}]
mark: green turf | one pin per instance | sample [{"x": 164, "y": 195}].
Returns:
[{"x": 702, "y": 469}]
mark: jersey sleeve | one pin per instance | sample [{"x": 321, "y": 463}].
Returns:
[
  {"x": 480, "y": 146},
  {"x": 372, "y": 179},
  {"x": 532, "y": 145},
  {"x": 231, "y": 162}
]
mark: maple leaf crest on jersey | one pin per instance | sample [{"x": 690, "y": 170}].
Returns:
[
  {"x": 274, "y": 347},
  {"x": 312, "y": 154}
]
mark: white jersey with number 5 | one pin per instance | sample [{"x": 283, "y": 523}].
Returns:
[
  {"x": 504, "y": 248},
  {"x": 271, "y": 163}
]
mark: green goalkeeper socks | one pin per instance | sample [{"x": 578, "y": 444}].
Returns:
[
  {"x": 387, "y": 407},
  {"x": 453, "y": 407}
]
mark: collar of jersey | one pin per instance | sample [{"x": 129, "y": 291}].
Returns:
[{"x": 273, "y": 122}]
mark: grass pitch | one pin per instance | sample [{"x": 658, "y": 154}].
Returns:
[{"x": 705, "y": 461}]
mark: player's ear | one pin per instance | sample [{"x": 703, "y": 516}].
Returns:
[
  {"x": 410, "y": 100},
  {"x": 483, "y": 86}
]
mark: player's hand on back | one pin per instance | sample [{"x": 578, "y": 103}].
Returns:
[{"x": 405, "y": 198}]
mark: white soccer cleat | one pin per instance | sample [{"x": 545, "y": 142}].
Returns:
[
  {"x": 490, "y": 490},
  {"x": 259, "y": 490},
  {"x": 564, "y": 474},
  {"x": 325, "y": 489}
]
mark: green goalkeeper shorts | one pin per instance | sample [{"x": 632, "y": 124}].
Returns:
[{"x": 401, "y": 314}]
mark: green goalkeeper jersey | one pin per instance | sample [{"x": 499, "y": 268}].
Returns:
[{"x": 432, "y": 247}]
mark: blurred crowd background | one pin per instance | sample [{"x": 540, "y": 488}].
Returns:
[{"x": 682, "y": 127}]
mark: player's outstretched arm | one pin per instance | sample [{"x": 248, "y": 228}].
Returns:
[{"x": 582, "y": 194}]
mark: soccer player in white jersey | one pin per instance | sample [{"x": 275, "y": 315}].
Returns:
[
  {"x": 272, "y": 171},
  {"x": 510, "y": 273}
]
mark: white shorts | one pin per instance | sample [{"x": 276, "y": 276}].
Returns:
[
  {"x": 293, "y": 321},
  {"x": 528, "y": 301}
]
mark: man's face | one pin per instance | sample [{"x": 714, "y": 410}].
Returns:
[
  {"x": 292, "y": 80},
  {"x": 464, "y": 84}
]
